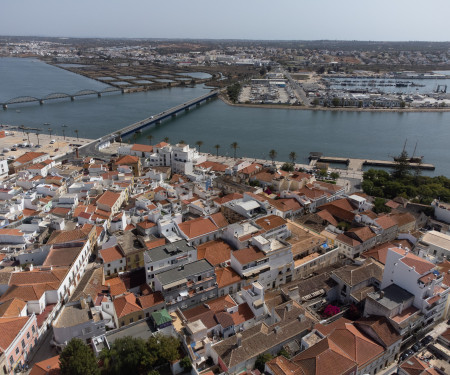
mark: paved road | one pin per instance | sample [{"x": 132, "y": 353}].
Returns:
[{"x": 298, "y": 89}]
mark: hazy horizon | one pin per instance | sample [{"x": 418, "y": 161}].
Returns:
[{"x": 288, "y": 20}]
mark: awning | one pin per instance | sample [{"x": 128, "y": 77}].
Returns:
[{"x": 184, "y": 293}]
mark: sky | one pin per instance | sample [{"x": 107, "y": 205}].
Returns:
[{"x": 382, "y": 20}]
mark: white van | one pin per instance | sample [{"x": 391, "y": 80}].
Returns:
[{"x": 52, "y": 141}]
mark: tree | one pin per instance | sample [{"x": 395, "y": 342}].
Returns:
[
  {"x": 64, "y": 131},
  {"x": 119, "y": 135},
  {"x": 261, "y": 361},
  {"x": 37, "y": 136},
  {"x": 272, "y": 155},
  {"x": 166, "y": 139},
  {"x": 153, "y": 372},
  {"x": 217, "y": 149},
  {"x": 334, "y": 175},
  {"x": 28, "y": 136},
  {"x": 199, "y": 144},
  {"x": 292, "y": 157},
  {"x": 76, "y": 132},
  {"x": 150, "y": 138},
  {"x": 168, "y": 348},
  {"x": 315, "y": 102},
  {"x": 336, "y": 102},
  {"x": 182, "y": 142},
  {"x": 401, "y": 167},
  {"x": 323, "y": 173},
  {"x": 128, "y": 355},
  {"x": 186, "y": 363},
  {"x": 379, "y": 205},
  {"x": 78, "y": 359},
  {"x": 288, "y": 167},
  {"x": 234, "y": 146},
  {"x": 284, "y": 353}
]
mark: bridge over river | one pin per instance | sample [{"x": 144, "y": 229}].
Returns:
[
  {"x": 92, "y": 149},
  {"x": 58, "y": 95}
]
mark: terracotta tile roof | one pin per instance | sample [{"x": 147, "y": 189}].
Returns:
[
  {"x": 325, "y": 357},
  {"x": 37, "y": 276},
  {"x": 347, "y": 240},
  {"x": 28, "y": 157},
  {"x": 126, "y": 305},
  {"x": 155, "y": 243},
  {"x": 27, "y": 292},
  {"x": 216, "y": 167},
  {"x": 224, "y": 319},
  {"x": 405, "y": 314},
  {"x": 363, "y": 233},
  {"x": 403, "y": 219},
  {"x": 197, "y": 227},
  {"x": 248, "y": 254},
  {"x": 326, "y": 215},
  {"x": 161, "y": 144},
  {"x": 116, "y": 286},
  {"x": 127, "y": 159},
  {"x": 378, "y": 252},
  {"x": 146, "y": 224},
  {"x": 380, "y": 327},
  {"x": 111, "y": 254},
  {"x": 219, "y": 220},
  {"x": 354, "y": 275},
  {"x": 421, "y": 265},
  {"x": 215, "y": 252},
  {"x": 350, "y": 340},
  {"x": 392, "y": 204},
  {"x": 49, "y": 366},
  {"x": 251, "y": 169},
  {"x": 243, "y": 314},
  {"x": 11, "y": 232},
  {"x": 285, "y": 204},
  {"x": 228, "y": 198},
  {"x": 151, "y": 300},
  {"x": 109, "y": 198},
  {"x": 142, "y": 148},
  {"x": 282, "y": 366},
  {"x": 414, "y": 366},
  {"x": 226, "y": 276},
  {"x": 10, "y": 328},
  {"x": 64, "y": 236},
  {"x": 271, "y": 222},
  {"x": 64, "y": 256},
  {"x": 11, "y": 307},
  {"x": 385, "y": 222}
]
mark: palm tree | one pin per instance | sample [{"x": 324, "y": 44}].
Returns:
[
  {"x": 199, "y": 144},
  {"x": 293, "y": 157},
  {"x": 166, "y": 139},
  {"x": 234, "y": 146},
  {"x": 28, "y": 135},
  {"x": 23, "y": 128},
  {"x": 217, "y": 149},
  {"x": 150, "y": 137},
  {"x": 37, "y": 136},
  {"x": 119, "y": 135},
  {"x": 272, "y": 155},
  {"x": 182, "y": 142},
  {"x": 50, "y": 131},
  {"x": 64, "y": 131},
  {"x": 76, "y": 132}
]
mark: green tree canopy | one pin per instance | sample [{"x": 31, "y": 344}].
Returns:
[
  {"x": 261, "y": 361},
  {"x": 78, "y": 359}
]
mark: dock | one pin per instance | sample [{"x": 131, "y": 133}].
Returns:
[{"x": 358, "y": 164}]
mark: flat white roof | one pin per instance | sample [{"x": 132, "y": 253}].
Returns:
[
  {"x": 437, "y": 239},
  {"x": 249, "y": 205}
]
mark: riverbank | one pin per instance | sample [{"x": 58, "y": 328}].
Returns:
[{"x": 336, "y": 109}]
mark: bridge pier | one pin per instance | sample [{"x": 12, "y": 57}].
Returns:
[
  {"x": 187, "y": 109},
  {"x": 174, "y": 115},
  {"x": 72, "y": 98},
  {"x": 99, "y": 94},
  {"x": 5, "y": 106},
  {"x": 158, "y": 122},
  {"x": 198, "y": 104},
  {"x": 41, "y": 102}
]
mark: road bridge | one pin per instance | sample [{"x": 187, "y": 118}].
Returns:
[
  {"x": 58, "y": 95},
  {"x": 91, "y": 149}
]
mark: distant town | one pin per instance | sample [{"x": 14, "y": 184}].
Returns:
[
  {"x": 302, "y": 75},
  {"x": 159, "y": 258}
]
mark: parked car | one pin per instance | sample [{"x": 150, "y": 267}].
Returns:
[{"x": 417, "y": 346}]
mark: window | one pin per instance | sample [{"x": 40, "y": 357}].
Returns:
[
  {"x": 131, "y": 320},
  {"x": 11, "y": 360},
  {"x": 17, "y": 350},
  {"x": 23, "y": 344},
  {"x": 28, "y": 335},
  {"x": 32, "y": 328}
]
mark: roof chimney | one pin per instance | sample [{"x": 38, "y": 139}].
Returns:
[{"x": 238, "y": 340}]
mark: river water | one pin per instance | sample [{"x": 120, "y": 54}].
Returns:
[{"x": 372, "y": 135}]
